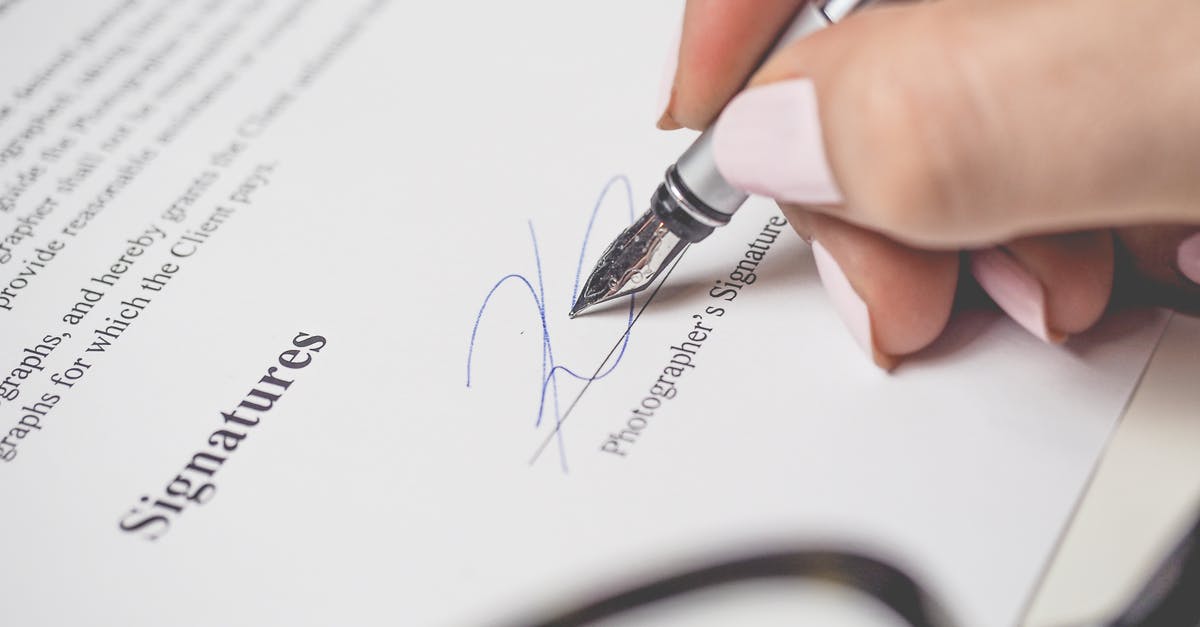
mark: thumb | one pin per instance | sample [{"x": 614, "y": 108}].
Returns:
[{"x": 965, "y": 123}]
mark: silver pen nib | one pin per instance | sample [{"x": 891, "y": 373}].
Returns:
[{"x": 631, "y": 262}]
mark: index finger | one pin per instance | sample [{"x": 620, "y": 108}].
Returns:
[{"x": 721, "y": 44}]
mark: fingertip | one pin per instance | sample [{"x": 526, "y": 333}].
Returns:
[
  {"x": 846, "y": 300},
  {"x": 1015, "y": 290},
  {"x": 721, "y": 44},
  {"x": 667, "y": 123},
  {"x": 915, "y": 300},
  {"x": 666, "y": 89},
  {"x": 1075, "y": 271},
  {"x": 895, "y": 300}
]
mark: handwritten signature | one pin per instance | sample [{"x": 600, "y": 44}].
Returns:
[{"x": 552, "y": 369}]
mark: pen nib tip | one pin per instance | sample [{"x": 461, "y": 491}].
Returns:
[
  {"x": 581, "y": 305},
  {"x": 631, "y": 263}
]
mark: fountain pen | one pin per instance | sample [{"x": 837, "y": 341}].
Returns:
[{"x": 693, "y": 200}]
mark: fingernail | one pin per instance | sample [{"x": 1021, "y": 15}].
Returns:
[
  {"x": 768, "y": 142},
  {"x": 1014, "y": 290},
  {"x": 1188, "y": 258},
  {"x": 666, "y": 88},
  {"x": 849, "y": 305}
]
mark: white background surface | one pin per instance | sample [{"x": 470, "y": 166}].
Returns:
[{"x": 1145, "y": 493}]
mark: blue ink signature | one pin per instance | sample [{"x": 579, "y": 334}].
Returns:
[{"x": 551, "y": 369}]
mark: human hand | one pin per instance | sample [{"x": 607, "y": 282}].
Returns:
[{"x": 1055, "y": 142}]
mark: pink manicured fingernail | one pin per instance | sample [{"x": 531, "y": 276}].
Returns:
[
  {"x": 1015, "y": 290},
  {"x": 848, "y": 303},
  {"x": 768, "y": 142},
  {"x": 1188, "y": 258},
  {"x": 666, "y": 88}
]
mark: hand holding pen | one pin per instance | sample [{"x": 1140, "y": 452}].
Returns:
[{"x": 1049, "y": 148}]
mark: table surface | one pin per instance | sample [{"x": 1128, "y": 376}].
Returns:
[{"x": 1144, "y": 494}]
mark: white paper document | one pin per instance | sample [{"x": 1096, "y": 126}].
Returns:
[{"x": 283, "y": 297}]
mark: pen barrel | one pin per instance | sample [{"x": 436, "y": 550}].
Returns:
[
  {"x": 698, "y": 174},
  {"x": 694, "y": 182}
]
